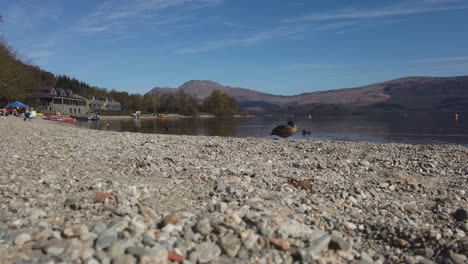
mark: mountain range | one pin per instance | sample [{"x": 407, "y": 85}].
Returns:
[{"x": 427, "y": 94}]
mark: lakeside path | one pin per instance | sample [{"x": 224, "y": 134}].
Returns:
[{"x": 68, "y": 194}]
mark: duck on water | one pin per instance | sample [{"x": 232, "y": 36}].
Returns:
[{"x": 285, "y": 131}]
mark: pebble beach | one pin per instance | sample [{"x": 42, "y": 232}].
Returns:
[{"x": 73, "y": 195}]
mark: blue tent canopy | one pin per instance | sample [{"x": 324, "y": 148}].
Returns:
[{"x": 17, "y": 104}]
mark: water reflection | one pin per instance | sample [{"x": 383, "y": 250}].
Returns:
[{"x": 409, "y": 128}]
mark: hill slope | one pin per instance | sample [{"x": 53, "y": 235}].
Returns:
[
  {"x": 411, "y": 93},
  {"x": 19, "y": 80},
  {"x": 203, "y": 88}
]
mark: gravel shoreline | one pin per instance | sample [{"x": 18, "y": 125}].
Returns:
[{"x": 72, "y": 195}]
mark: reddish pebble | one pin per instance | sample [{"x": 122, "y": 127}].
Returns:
[
  {"x": 281, "y": 244},
  {"x": 101, "y": 197},
  {"x": 175, "y": 257}
]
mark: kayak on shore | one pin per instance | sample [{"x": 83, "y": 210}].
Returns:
[{"x": 70, "y": 120}]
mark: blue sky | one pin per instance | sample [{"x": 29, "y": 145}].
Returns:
[{"x": 275, "y": 46}]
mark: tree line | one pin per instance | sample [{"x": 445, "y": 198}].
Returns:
[
  {"x": 218, "y": 103},
  {"x": 181, "y": 102}
]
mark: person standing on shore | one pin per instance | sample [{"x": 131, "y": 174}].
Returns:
[{"x": 27, "y": 115}]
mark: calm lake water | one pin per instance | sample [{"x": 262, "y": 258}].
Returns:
[{"x": 413, "y": 128}]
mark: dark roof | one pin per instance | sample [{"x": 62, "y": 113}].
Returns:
[
  {"x": 46, "y": 88},
  {"x": 42, "y": 94}
]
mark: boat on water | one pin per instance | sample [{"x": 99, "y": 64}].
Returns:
[
  {"x": 70, "y": 120},
  {"x": 87, "y": 118},
  {"x": 136, "y": 115}
]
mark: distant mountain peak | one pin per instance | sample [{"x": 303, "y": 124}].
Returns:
[
  {"x": 201, "y": 84},
  {"x": 200, "y": 81}
]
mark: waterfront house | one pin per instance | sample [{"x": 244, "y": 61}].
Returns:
[
  {"x": 113, "y": 105},
  {"x": 101, "y": 104},
  {"x": 55, "y": 99}
]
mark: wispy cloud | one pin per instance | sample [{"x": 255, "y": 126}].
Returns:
[
  {"x": 26, "y": 15},
  {"x": 401, "y": 9},
  {"x": 119, "y": 14},
  {"x": 441, "y": 59},
  {"x": 39, "y": 54},
  {"x": 334, "y": 26},
  {"x": 432, "y": 61},
  {"x": 284, "y": 31},
  {"x": 252, "y": 39},
  {"x": 337, "y": 21}
]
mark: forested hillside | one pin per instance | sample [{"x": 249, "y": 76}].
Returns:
[{"x": 18, "y": 80}]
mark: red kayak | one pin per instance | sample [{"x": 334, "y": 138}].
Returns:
[{"x": 60, "y": 119}]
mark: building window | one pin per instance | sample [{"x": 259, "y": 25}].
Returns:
[
  {"x": 71, "y": 111},
  {"x": 79, "y": 111}
]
